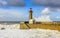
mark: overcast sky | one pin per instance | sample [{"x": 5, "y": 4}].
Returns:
[{"x": 18, "y": 10}]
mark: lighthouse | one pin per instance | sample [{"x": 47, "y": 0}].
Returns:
[{"x": 30, "y": 16}]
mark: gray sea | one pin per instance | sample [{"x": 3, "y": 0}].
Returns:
[
  {"x": 9, "y": 24},
  {"x": 10, "y": 29}
]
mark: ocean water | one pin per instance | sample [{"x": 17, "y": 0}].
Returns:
[
  {"x": 9, "y": 25},
  {"x": 12, "y": 30},
  {"x": 30, "y": 33}
]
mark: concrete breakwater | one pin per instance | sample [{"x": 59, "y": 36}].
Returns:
[{"x": 41, "y": 25}]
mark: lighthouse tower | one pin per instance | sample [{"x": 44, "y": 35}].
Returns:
[{"x": 30, "y": 16}]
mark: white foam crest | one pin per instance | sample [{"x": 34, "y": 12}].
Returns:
[
  {"x": 31, "y": 33},
  {"x": 10, "y": 26}
]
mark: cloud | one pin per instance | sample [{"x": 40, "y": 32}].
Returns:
[
  {"x": 45, "y": 11},
  {"x": 3, "y": 2},
  {"x": 44, "y": 15},
  {"x": 12, "y": 2},
  {"x": 44, "y": 18},
  {"x": 55, "y": 3},
  {"x": 48, "y": 10},
  {"x": 49, "y": 14},
  {"x": 15, "y": 2},
  {"x": 11, "y": 14},
  {"x": 58, "y": 17},
  {"x": 1, "y": 16}
]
